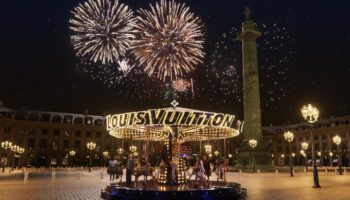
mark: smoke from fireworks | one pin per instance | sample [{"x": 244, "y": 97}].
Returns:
[
  {"x": 103, "y": 30},
  {"x": 169, "y": 40},
  {"x": 276, "y": 56}
]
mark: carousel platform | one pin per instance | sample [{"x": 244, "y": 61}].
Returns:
[{"x": 149, "y": 190}]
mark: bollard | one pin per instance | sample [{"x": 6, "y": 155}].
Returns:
[
  {"x": 326, "y": 170},
  {"x": 258, "y": 171},
  {"x": 53, "y": 175},
  {"x": 102, "y": 173},
  {"x": 276, "y": 171},
  {"x": 79, "y": 174},
  {"x": 335, "y": 171},
  {"x": 67, "y": 169},
  {"x": 293, "y": 172},
  {"x": 26, "y": 175},
  {"x": 344, "y": 170},
  {"x": 240, "y": 172}
]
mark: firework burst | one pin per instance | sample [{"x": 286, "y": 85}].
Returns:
[
  {"x": 181, "y": 85},
  {"x": 103, "y": 30},
  {"x": 169, "y": 40}
]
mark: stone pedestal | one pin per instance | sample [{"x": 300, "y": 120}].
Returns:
[{"x": 262, "y": 155}]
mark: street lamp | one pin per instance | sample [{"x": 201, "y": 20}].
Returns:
[
  {"x": 337, "y": 141},
  {"x": 310, "y": 114},
  {"x": 289, "y": 137},
  {"x": 20, "y": 151},
  {"x": 105, "y": 153},
  {"x": 14, "y": 149},
  {"x": 207, "y": 148},
  {"x": 305, "y": 146},
  {"x": 330, "y": 159},
  {"x": 5, "y": 145},
  {"x": 133, "y": 149},
  {"x": 319, "y": 154},
  {"x": 253, "y": 143},
  {"x": 91, "y": 146},
  {"x": 72, "y": 154},
  {"x": 216, "y": 153},
  {"x": 120, "y": 151}
]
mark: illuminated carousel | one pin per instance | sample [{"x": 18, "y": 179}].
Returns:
[{"x": 172, "y": 127}]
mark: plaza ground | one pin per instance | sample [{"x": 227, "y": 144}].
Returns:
[{"x": 77, "y": 184}]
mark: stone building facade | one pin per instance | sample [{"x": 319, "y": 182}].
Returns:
[{"x": 49, "y": 136}]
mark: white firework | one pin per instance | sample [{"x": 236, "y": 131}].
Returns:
[
  {"x": 169, "y": 39},
  {"x": 125, "y": 66},
  {"x": 103, "y": 30}
]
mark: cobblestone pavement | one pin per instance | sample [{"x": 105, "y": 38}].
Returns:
[{"x": 265, "y": 186}]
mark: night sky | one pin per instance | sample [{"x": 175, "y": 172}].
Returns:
[{"x": 39, "y": 69}]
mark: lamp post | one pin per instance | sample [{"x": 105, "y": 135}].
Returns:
[
  {"x": 229, "y": 157},
  {"x": 105, "y": 156},
  {"x": 120, "y": 151},
  {"x": 305, "y": 146},
  {"x": 20, "y": 151},
  {"x": 216, "y": 153},
  {"x": 253, "y": 143},
  {"x": 14, "y": 149},
  {"x": 133, "y": 149},
  {"x": 208, "y": 148},
  {"x": 337, "y": 141},
  {"x": 91, "y": 146},
  {"x": 330, "y": 159},
  {"x": 319, "y": 154},
  {"x": 302, "y": 153},
  {"x": 289, "y": 137},
  {"x": 310, "y": 114},
  {"x": 72, "y": 154},
  {"x": 5, "y": 145}
]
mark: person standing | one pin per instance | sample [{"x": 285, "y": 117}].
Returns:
[
  {"x": 201, "y": 173},
  {"x": 207, "y": 168},
  {"x": 112, "y": 169},
  {"x": 129, "y": 168}
]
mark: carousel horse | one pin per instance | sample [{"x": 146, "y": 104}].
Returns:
[{"x": 145, "y": 171}]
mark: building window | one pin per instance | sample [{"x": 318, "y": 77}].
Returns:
[
  {"x": 7, "y": 129},
  {"x": 66, "y": 144},
  {"x": 56, "y": 132},
  {"x": 54, "y": 146},
  {"x": 77, "y": 144},
  {"x": 77, "y": 133},
  {"x": 44, "y": 132},
  {"x": 32, "y": 132},
  {"x": 279, "y": 149},
  {"x": 43, "y": 144},
  {"x": 316, "y": 137},
  {"x": 98, "y": 134},
  {"x": 66, "y": 133},
  {"x": 88, "y": 134},
  {"x": 31, "y": 143}
]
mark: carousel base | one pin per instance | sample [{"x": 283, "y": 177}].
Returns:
[{"x": 149, "y": 190}]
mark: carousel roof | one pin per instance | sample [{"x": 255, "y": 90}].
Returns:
[{"x": 182, "y": 123}]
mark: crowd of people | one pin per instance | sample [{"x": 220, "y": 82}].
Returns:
[{"x": 202, "y": 168}]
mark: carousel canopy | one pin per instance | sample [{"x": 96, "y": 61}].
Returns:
[{"x": 182, "y": 123}]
